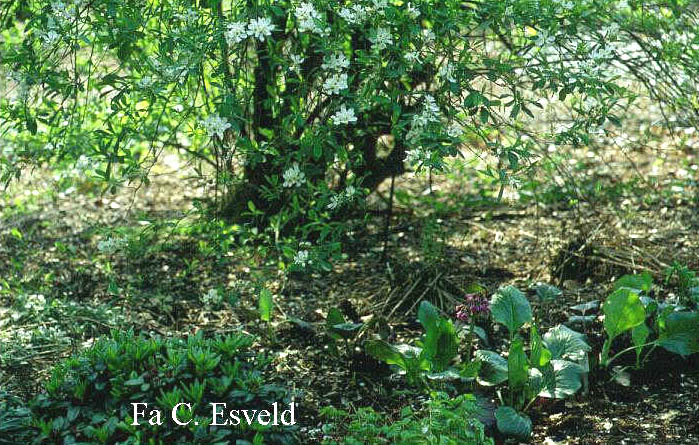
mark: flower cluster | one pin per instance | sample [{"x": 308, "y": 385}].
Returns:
[
  {"x": 475, "y": 305},
  {"x": 340, "y": 199},
  {"x": 430, "y": 114},
  {"x": 355, "y": 15},
  {"x": 309, "y": 19},
  {"x": 335, "y": 83},
  {"x": 343, "y": 116},
  {"x": 381, "y": 39},
  {"x": 302, "y": 258},
  {"x": 335, "y": 62},
  {"x": 258, "y": 28},
  {"x": 293, "y": 176},
  {"x": 216, "y": 125}
]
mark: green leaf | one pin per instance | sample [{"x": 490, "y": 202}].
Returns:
[
  {"x": 679, "y": 333},
  {"x": 639, "y": 335},
  {"x": 540, "y": 356},
  {"x": 510, "y": 307},
  {"x": 493, "y": 367},
  {"x": 641, "y": 283},
  {"x": 623, "y": 311},
  {"x": 440, "y": 345},
  {"x": 517, "y": 366},
  {"x": 565, "y": 343},
  {"x": 562, "y": 379},
  {"x": 547, "y": 292},
  {"x": 513, "y": 424},
  {"x": 385, "y": 352},
  {"x": 347, "y": 330},
  {"x": 428, "y": 315},
  {"x": 265, "y": 305}
]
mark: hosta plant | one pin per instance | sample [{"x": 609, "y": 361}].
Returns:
[{"x": 552, "y": 366}]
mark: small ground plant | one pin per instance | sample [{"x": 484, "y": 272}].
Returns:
[
  {"x": 88, "y": 397},
  {"x": 443, "y": 421}
]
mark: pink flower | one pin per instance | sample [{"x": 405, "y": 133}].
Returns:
[{"x": 474, "y": 305}]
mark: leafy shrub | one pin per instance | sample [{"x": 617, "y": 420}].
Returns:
[
  {"x": 443, "y": 421},
  {"x": 299, "y": 108},
  {"x": 554, "y": 367},
  {"x": 88, "y": 397}
]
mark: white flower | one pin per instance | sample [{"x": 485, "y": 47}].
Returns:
[
  {"x": 415, "y": 155},
  {"x": 236, "y": 33},
  {"x": 350, "y": 191},
  {"x": 428, "y": 36},
  {"x": 335, "y": 202},
  {"x": 216, "y": 125},
  {"x": 260, "y": 28},
  {"x": 296, "y": 62},
  {"x": 413, "y": 12},
  {"x": 293, "y": 176},
  {"x": 34, "y": 303},
  {"x": 455, "y": 131},
  {"x": 343, "y": 116},
  {"x": 308, "y": 18},
  {"x": 213, "y": 297},
  {"x": 335, "y": 83},
  {"x": 382, "y": 38},
  {"x": 335, "y": 62},
  {"x": 355, "y": 15},
  {"x": 380, "y": 5},
  {"x": 190, "y": 16},
  {"x": 302, "y": 258},
  {"x": 412, "y": 57}
]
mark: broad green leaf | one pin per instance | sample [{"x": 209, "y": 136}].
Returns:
[
  {"x": 517, "y": 366},
  {"x": 428, "y": 315},
  {"x": 623, "y": 311},
  {"x": 641, "y": 283},
  {"x": 547, "y": 292},
  {"x": 679, "y": 333},
  {"x": 493, "y": 367},
  {"x": 440, "y": 345},
  {"x": 562, "y": 379},
  {"x": 385, "y": 352},
  {"x": 510, "y": 307},
  {"x": 346, "y": 330},
  {"x": 565, "y": 343},
  {"x": 265, "y": 305},
  {"x": 540, "y": 356},
  {"x": 513, "y": 424}
]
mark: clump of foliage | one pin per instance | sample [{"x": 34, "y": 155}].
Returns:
[
  {"x": 88, "y": 397},
  {"x": 14, "y": 420},
  {"x": 650, "y": 323},
  {"x": 442, "y": 421},
  {"x": 431, "y": 357},
  {"x": 554, "y": 367},
  {"x": 296, "y": 110},
  {"x": 687, "y": 283}
]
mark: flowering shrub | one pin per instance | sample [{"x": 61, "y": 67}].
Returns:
[{"x": 290, "y": 102}]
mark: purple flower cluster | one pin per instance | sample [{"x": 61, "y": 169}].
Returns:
[{"x": 475, "y": 305}]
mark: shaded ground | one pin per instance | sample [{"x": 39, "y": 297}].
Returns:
[{"x": 439, "y": 244}]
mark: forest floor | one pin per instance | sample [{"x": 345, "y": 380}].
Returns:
[{"x": 632, "y": 213}]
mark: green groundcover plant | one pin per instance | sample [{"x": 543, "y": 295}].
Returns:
[
  {"x": 442, "y": 421},
  {"x": 298, "y": 109},
  {"x": 88, "y": 397}
]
